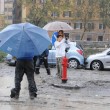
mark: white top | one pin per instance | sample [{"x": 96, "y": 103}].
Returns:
[{"x": 60, "y": 48}]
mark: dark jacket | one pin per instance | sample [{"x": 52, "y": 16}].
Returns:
[{"x": 45, "y": 53}]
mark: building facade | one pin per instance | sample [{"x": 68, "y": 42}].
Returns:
[
  {"x": 1, "y": 14},
  {"x": 8, "y": 11},
  {"x": 17, "y": 12},
  {"x": 95, "y": 29},
  {"x": 1, "y": 6},
  {"x": 2, "y": 22}
]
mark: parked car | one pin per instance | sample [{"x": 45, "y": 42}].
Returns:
[
  {"x": 74, "y": 55},
  {"x": 10, "y": 60},
  {"x": 98, "y": 61}
]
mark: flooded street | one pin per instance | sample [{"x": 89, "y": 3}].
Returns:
[{"x": 93, "y": 92}]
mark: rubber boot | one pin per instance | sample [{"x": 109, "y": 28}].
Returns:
[
  {"x": 37, "y": 71},
  {"x": 48, "y": 71},
  {"x": 32, "y": 95},
  {"x": 14, "y": 93}
]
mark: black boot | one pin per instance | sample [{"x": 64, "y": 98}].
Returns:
[
  {"x": 32, "y": 95},
  {"x": 37, "y": 71},
  {"x": 14, "y": 93},
  {"x": 48, "y": 71}
]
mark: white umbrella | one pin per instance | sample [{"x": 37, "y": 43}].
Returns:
[{"x": 57, "y": 25}]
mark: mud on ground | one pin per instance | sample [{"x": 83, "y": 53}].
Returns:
[{"x": 93, "y": 92}]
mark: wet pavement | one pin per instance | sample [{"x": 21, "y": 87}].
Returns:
[{"x": 85, "y": 89}]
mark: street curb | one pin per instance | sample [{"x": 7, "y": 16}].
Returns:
[{"x": 63, "y": 86}]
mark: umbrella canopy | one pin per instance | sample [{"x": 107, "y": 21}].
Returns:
[
  {"x": 57, "y": 25},
  {"x": 54, "y": 37},
  {"x": 24, "y": 40}
]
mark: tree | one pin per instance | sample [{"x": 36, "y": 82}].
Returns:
[
  {"x": 85, "y": 11},
  {"x": 38, "y": 13},
  {"x": 104, "y": 10},
  {"x": 41, "y": 12}
]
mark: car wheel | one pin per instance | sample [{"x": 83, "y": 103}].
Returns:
[
  {"x": 73, "y": 63},
  {"x": 96, "y": 65}
]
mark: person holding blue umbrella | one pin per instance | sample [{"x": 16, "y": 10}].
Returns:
[
  {"x": 24, "y": 65},
  {"x": 24, "y": 41}
]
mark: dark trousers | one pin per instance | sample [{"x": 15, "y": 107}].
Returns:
[
  {"x": 27, "y": 67},
  {"x": 35, "y": 59},
  {"x": 45, "y": 61}
]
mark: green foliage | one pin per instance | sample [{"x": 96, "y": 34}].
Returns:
[
  {"x": 2, "y": 56},
  {"x": 38, "y": 13},
  {"x": 104, "y": 6},
  {"x": 41, "y": 13}
]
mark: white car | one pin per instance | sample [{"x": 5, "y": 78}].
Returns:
[
  {"x": 98, "y": 61},
  {"x": 74, "y": 55}
]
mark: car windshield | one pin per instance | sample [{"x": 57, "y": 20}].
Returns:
[{"x": 79, "y": 46}]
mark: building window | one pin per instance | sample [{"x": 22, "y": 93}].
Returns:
[
  {"x": 9, "y": 17},
  {"x": 77, "y": 37},
  {"x": 54, "y": 14},
  {"x": 42, "y": 1},
  {"x": 89, "y": 37},
  {"x": 5, "y": 9},
  {"x": 78, "y": 2},
  {"x": 67, "y": 14},
  {"x": 89, "y": 14},
  {"x": 78, "y": 14},
  {"x": 101, "y": 14},
  {"x": 54, "y": 1},
  {"x": 77, "y": 25},
  {"x": 100, "y": 38},
  {"x": 90, "y": 2},
  {"x": 10, "y": 9},
  {"x": 90, "y": 26},
  {"x": 101, "y": 26}
]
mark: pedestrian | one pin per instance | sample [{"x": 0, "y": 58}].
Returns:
[
  {"x": 61, "y": 32},
  {"x": 60, "y": 53},
  {"x": 66, "y": 37},
  {"x": 35, "y": 59},
  {"x": 43, "y": 58},
  {"x": 24, "y": 65}
]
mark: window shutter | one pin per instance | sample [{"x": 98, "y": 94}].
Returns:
[
  {"x": 92, "y": 25},
  {"x": 64, "y": 14},
  {"x": 74, "y": 25},
  {"x": 104, "y": 26},
  {"x": 80, "y": 25},
  {"x": 69, "y": 13}
]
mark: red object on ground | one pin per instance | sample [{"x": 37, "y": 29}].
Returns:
[{"x": 64, "y": 69}]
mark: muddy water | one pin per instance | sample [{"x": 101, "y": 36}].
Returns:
[{"x": 93, "y": 94}]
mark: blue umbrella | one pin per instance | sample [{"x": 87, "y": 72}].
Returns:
[
  {"x": 54, "y": 37},
  {"x": 24, "y": 40}
]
